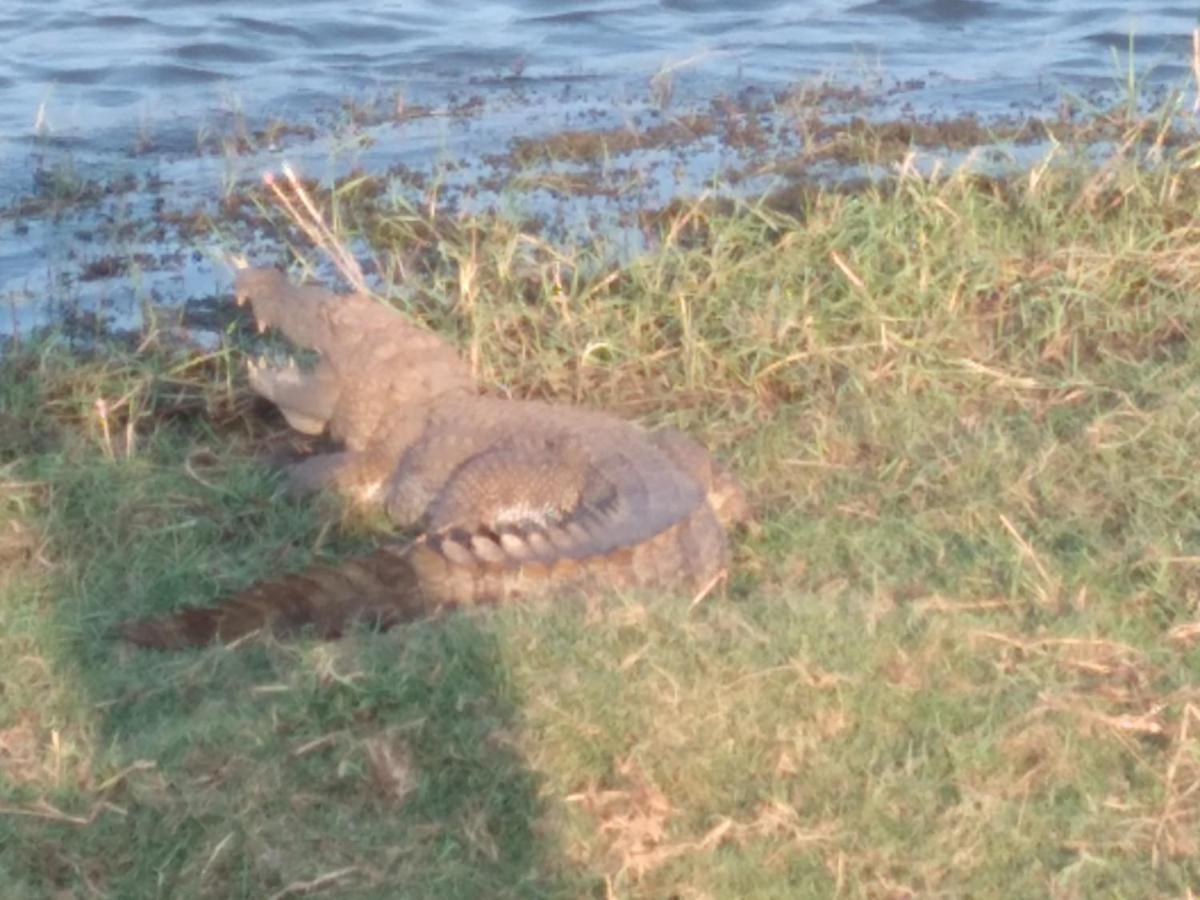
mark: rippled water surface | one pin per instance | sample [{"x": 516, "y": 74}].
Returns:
[
  {"x": 109, "y": 108},
  {"x": 83, "y": 68}
]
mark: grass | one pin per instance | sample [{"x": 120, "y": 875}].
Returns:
[{"x": 960, "y": 659}]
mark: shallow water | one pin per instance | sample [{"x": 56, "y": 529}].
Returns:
[{"x": 103, "y": 93}]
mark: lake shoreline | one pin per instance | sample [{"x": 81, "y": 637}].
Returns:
[{"x": 96, "y": 250}]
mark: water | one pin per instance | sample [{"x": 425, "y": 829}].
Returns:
[
  {"x": 109, "y": 90},
  {"x": 95, "y": 68}
]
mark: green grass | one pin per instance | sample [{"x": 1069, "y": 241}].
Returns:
[{"x": 959, "y": 659}]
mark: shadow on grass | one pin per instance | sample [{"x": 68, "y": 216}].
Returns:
[{"x": 377, "y": 766}]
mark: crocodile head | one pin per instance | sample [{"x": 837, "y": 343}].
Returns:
[{"x": 301, "y": 313}]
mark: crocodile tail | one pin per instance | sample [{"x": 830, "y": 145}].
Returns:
[
  {"x": 381, "y": 589},
  {"x": 456, "y": 567}
]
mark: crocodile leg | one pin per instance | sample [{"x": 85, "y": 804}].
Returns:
[
  {"x": 355, "y": 475},
  {"x": 424, "y": 468},
  {"x": 513, "y": 483}
]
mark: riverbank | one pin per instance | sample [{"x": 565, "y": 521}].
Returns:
[{"x": 959, "y": 658}]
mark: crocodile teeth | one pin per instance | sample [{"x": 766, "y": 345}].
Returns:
[
  {"x": 251, "y": 365},
  {"x": 240, "y": 299}
]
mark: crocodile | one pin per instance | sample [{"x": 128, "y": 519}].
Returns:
[{"x": 510, "y": 498}]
